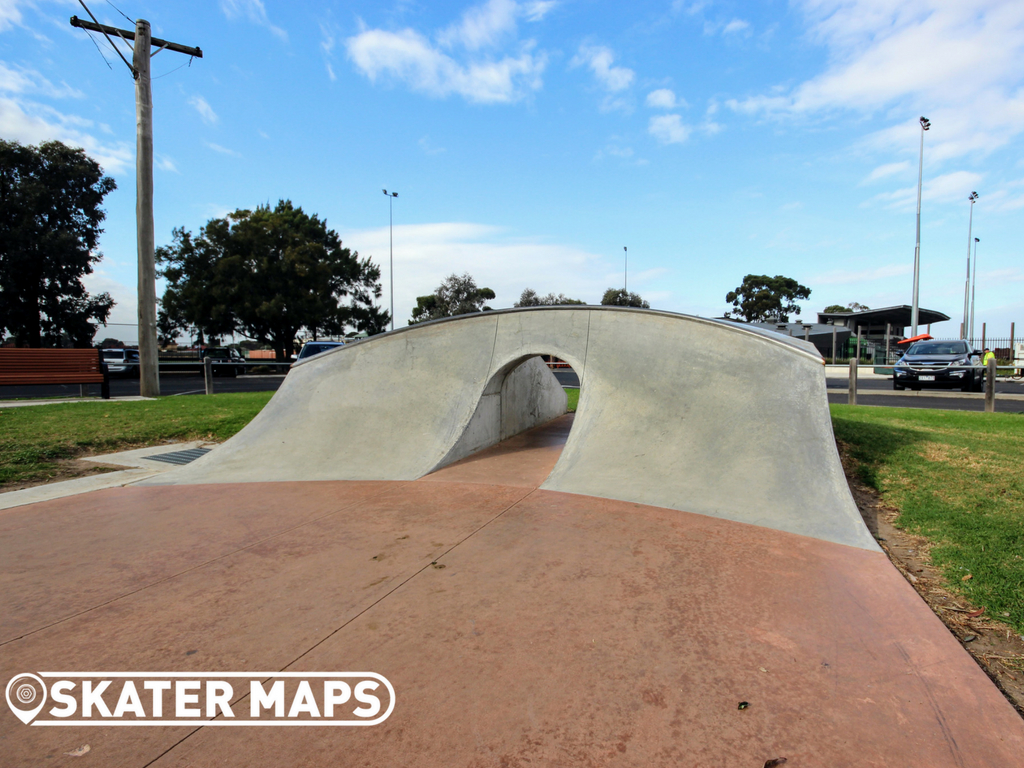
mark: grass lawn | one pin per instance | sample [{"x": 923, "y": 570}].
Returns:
[
  {"x": 574, "y": 398},
  {"x": 33, "y": 439},
  {"x": 956, "y": 478}
]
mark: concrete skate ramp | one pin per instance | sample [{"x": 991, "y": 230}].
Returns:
[{"x": 675, "y": 411}]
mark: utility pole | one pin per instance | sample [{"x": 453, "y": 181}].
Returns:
[
  {"x": 149, "y": 368},
  {"x": 625, "y": 271}
]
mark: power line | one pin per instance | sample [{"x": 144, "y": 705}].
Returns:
[
  {"x": 99, "y": 50},
  {"x": 120, "y": 11},
  {"x": 101, "y": 28}
]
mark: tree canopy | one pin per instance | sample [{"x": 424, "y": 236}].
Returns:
[
  {"x": 529, "y": 298},
  {"x": 620, "y": 297},
  {"x": 457, "y": 295},
  {"x": 267, "y": 274},
  {"x": 853, "y": 307},
  {"x": 761, "y": 299},
  {"x": 50, "y": 215}
]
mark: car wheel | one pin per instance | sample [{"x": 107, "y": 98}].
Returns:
[{"x": 968, "y": 386}]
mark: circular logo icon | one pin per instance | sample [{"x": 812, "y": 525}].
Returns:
[{"x": 26, "y": 695}]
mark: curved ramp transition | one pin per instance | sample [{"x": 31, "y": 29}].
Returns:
[{"x": 675, "y": 411}]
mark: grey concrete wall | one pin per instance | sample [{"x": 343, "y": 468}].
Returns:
[
  {"x": 513, "y": 401},
  {"x": 675, "y": 411}
]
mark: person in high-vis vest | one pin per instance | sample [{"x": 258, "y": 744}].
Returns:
[{"x": 989, "y": 355}]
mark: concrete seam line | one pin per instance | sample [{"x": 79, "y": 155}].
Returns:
[
  {"x": 205, "y": 563},
  {"x": 376, "y": 602},
  {"x": 586, "y": 351}
]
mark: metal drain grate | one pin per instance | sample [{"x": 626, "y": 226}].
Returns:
[{"x": 179, "y": 457}]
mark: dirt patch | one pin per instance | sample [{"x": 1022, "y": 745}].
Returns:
[
  {"x": 997, "y": 648},
  {"x": 62, "y": 469}
]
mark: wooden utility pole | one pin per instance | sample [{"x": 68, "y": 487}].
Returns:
[{"x": 149, "y": 367}]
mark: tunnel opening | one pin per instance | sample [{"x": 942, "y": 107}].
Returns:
[{"x": 520, "y": 426}]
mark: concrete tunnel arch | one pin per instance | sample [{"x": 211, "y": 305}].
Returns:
[{"x": 675, "y": 411}]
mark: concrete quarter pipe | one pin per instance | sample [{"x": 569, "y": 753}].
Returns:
[{"x": 675, "y": 411}]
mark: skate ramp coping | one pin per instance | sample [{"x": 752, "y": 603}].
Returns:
[{"x": 675, "y": 411}]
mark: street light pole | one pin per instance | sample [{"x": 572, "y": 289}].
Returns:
[
  {"x": 625, "y": 270},
  {"x": 391, "y": 268},
  {"x": 925, "y": 125},
  {"x": 974, "y": 284},
  {"x": 967, "y": 283}
]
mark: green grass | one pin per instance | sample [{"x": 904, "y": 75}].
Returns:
[
  {"x": 574, "y": 398},
  {"x": 34, "y": 438},
  {"x": 956, "y": 478}
]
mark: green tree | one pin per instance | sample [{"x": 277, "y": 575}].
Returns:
[
  {"x": 761, "y": 299},
  {"x": 267, "y": 274},
  {"x": 854, "y": 307},
  {"x": 457, "y": 295},
  {"x": 50, "y": 215},
  {"x": 620, "y": 297},
  {"x": 529, "y": 298}
]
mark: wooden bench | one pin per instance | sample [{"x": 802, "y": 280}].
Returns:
[{"x": 25, "y": 367}]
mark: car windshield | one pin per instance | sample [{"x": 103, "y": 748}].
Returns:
[
  {"x": 113, "y": 354},
  {"x": 938, "y": 348},
  {"x": 316, "y": 348}
]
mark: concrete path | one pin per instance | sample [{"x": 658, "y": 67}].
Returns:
[
  {"x": 139, "y": 467},
  {"x": 518, "y": 626}
]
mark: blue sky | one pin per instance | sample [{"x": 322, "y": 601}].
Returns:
[{"x": 530, "y": 141}]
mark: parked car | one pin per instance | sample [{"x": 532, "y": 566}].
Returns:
[
  {"x": 311, "y": 348},
  {"x": 222, "y": 356},
  {"x": 942, "y": 364},
  {"x": 122, "y": 362}
]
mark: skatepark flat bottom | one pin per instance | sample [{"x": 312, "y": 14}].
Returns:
[{"x": 517, "y": 626}]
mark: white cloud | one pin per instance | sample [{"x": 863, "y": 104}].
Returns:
[
  {"x": 165, "y": 163},
  {"x": 222, "y": 150},
  {"x": 254, "y": 11},
  {"x": 947, "y": 188},
  {"x": 411, "y": 58},
  {"x": 23, "y": 80},
  {"x": 736, "y": 25},
  {"x": 328, "y": 39},
  {"x": 483, "y": 26},
  {"x": 884, "y": 171},
  {"x": 426, "y": 253},
  {"x": 844, "y": 276},
  {"x": 10, "y": 14},
  {"x": 958, "y": 63},
  {"x": 29, "y": 122},
  {"x": 599, "y": 59},
  {"x": 429, "y": 148},
  {"x": 538, "y": 9},
  {"x": 669, "y": 129},
  {"x": 663, "y": 98},
  {"x": 204, "y": 109}
]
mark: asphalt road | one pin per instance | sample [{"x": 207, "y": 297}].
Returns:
[
  {"x": 872, "y": 391},
  {"x": 170, "y": 384}
]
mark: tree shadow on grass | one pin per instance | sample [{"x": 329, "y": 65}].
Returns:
[{"x": 873, "y": 446}]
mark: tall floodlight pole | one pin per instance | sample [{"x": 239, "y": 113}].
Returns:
[
  {"x": 974, "y": 284},
  {"x": 391, "y": 227},
  {"x": 149, "y": 367},
  {"x": 625, "y": 270},
  {"x": 973, "y": 197},
  {"x": 925, "y": 125}
]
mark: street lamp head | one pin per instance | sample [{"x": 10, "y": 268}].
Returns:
[
  {"x": 925, "y": 123},
  {"x": 977, "y": 239},
  {"x": 384, "y": 191},
  {"x": 973, "y": 196}
]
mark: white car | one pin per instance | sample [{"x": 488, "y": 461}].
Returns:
[{"x": 122, "y": 362}]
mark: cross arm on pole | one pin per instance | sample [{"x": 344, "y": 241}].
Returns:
[{"x": 130, "y": 35}]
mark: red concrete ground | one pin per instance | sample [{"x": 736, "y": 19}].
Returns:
[{"x": 562, "y": 629}]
